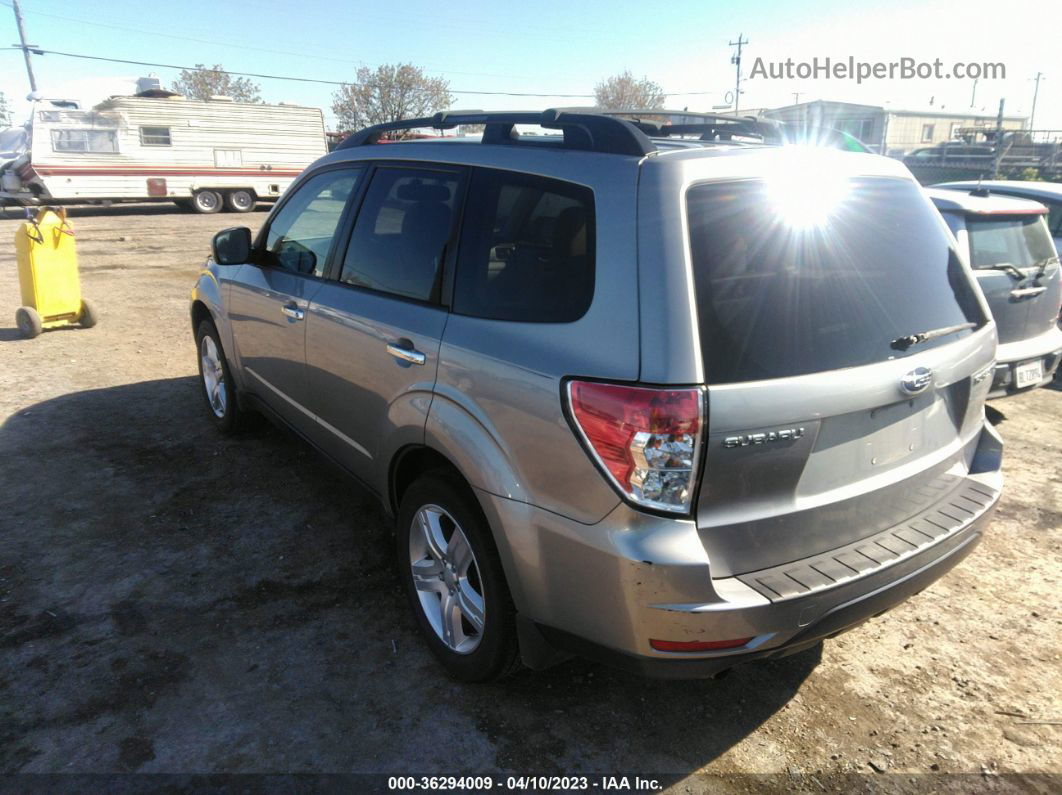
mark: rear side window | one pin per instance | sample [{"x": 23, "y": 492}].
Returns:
[
  {"x": 400, "y": 237},
  {"x": 1021, "y": 241},
  {"x": 778, "y": 296},
  {"x": 527, "y": 249}
]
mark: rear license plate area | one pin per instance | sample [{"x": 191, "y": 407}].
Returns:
[{"x": 1028, "y": 373}]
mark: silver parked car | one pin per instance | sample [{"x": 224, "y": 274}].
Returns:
[
  {"x": 670, "y": 404},
  {"x": 1007, "y": 242}
]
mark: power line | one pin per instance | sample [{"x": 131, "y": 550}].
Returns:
[
  {"x": 319, "y": 81},
  {"x": 262, "y": 76},
  {"x": 232, "y": 45}
]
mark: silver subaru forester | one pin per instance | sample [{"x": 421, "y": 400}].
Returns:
[{"x": 670, "y": 397}]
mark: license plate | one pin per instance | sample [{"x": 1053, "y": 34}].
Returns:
[{"x": 1028, "y": 374}]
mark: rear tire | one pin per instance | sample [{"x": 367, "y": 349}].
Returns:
[
  {"x": 29, "y": 322},
  {"x": 215, "y": 378},
  {"x": 455, "y": 583},
  {"x": 240, "y": 201},
  {"x": 206, "y": 202},
  {"x": 89, "y": 316}
]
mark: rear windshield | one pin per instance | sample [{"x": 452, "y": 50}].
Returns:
[
  {"x": 813, "y": 282},
  {"x": 1022, "y": 241}
]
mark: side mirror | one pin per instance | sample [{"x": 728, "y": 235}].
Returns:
[{"x": 232, "y": 246}]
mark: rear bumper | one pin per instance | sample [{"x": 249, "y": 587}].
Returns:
[
  {"x": 604, "y": 591},
  {"x": 1047, "y": 347}
]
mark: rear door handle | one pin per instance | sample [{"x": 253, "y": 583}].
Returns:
[
  {"x": 406, "y": 353},
  {"x": 293, "y": 312},
  {"x": 1027, "y": 292}
]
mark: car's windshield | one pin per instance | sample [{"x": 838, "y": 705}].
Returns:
[
  {"x": 1021, "y": 241},
  {"x": 798, "y": 279}
]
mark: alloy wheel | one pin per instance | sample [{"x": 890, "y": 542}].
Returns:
[
  {"x": 213, "y": 375},
  {"x": 447, "y": 579}
]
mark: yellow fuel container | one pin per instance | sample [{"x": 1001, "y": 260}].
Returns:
[{"x": 48, "y": 275}]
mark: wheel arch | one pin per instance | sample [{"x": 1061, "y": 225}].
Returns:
[{"x": 414, "y": 460}]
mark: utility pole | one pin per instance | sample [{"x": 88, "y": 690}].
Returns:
[
  {"x": 796, "y": 97},
  {"x": 1036, "y": 91},
  {"x": 973, "y": 95},
  {"x": 24, "y": 47},
  {"x": 999, "y": 140},
  {"x": 736, "y": 60}
]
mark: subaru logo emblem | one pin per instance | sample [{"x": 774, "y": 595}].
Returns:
[{"x": 916, "y": 381}]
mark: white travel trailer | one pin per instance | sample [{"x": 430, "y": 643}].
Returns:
[{"x": 159, "y": 146}]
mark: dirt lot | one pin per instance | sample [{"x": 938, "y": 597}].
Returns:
[{"x": 171, "y": 601}]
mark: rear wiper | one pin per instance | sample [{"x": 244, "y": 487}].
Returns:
[
  {"x": 1043, "y": 265},
  {"x": 903, "y": 343},
  {"x": 1004, "y": 266}
]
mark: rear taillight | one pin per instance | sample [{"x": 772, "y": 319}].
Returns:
[{"x": 647, "y": 440}]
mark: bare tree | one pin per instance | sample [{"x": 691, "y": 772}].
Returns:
[
  {"x": 625, "y": 91},
  {"x": 202, "y": 83},
  {"x": 391, "y": 92}
]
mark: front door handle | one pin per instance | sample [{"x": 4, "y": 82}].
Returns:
[
  {"x": 1027, "y": 292},
  {"x": 293, "y": 312},
  {"x": 406, "y": 353}
]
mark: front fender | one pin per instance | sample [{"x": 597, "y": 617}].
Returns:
[{"x": 208, "y": 291}]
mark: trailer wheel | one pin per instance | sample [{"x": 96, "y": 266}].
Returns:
[
  {"x": 29, "y": 322},
  {"x": 206, "y": 201},
  {"x": 240, "y": 201}
]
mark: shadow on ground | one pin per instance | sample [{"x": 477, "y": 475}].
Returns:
[{"x": 178, "y": 602}]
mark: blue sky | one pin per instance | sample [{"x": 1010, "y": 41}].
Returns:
[{"x": 549, "y": 47}]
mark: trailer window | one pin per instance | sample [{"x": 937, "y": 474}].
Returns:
[
  {"x": 85, "y": 140},
  {"x": 155, "y": 136}
]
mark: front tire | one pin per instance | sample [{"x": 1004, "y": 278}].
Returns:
[
  {"x": 240, "y": 201},
  {"x": 219, "y": 390},
  {"x": 454, "y": 579},
  {"x": 207, "y": 202}
]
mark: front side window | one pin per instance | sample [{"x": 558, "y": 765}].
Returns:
[
  {"x": 1021, "y": 241},
  {"x": 791, "y": 280},
  {"x": 527, "y": 249},
  {"x": 85, "y": 140},
  {"x": 400, "y": 237},
  {"x": 155, "y": 136},
  {"x": 300, "y": 235}
]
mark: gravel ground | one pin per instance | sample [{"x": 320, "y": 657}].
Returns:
[{"x": 174, "y": 602}]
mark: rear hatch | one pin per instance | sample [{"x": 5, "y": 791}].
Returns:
[
  {"x": 1017, "y": 267},
  {"x": 832, "y": 415}
]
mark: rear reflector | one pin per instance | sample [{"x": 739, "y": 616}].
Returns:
[
  {"x": 697, "y": 645},
  {"x": 647, "y": 440}
]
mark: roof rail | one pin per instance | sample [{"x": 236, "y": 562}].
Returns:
[
  {"x": 709, "y": 126},
  {"x": 595, "y": 132}
]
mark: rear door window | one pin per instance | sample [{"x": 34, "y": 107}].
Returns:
[
  {"x": 527, "y": 249},
  {"x": 778, "y": 296},
  {"x": 400, "y": 238}
]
